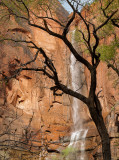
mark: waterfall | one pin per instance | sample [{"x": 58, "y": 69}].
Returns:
[{"x": 79, "y": 133}]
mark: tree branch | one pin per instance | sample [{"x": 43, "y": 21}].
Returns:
[
  {"x": 66, "y": 29},
  {"x": 114, "y": 68},
  {"x": 107, "y": 20}
]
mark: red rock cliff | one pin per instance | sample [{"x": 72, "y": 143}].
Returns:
[{"x": 31, "y": 117}]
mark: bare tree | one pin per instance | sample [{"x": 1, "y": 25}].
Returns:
[{"x": 25, "y": 13}]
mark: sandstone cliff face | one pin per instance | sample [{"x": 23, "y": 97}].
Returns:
[{"x": 31, "y": 116}]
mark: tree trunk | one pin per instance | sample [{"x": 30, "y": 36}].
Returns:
[{"x": 99, "y": 122}]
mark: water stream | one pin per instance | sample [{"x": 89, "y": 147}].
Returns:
[{"x": 79, "y": 133}]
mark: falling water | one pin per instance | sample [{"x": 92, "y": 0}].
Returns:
[{"x": 79, "y": 133}]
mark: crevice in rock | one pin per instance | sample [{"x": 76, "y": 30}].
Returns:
[
  {"x": 56, "y": 102},
  {"x": 48, "y": 131},
  {"x": 27, "y": 77},
  {"x": 53, "y": 151}
]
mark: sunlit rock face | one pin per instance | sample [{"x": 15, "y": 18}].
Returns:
[{"x": 28, "y": 107}]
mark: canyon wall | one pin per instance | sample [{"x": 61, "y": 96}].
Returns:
[{"x": 31, "y": 117}]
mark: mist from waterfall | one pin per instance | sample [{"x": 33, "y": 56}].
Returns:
[{"x": 78, "y": 135}]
